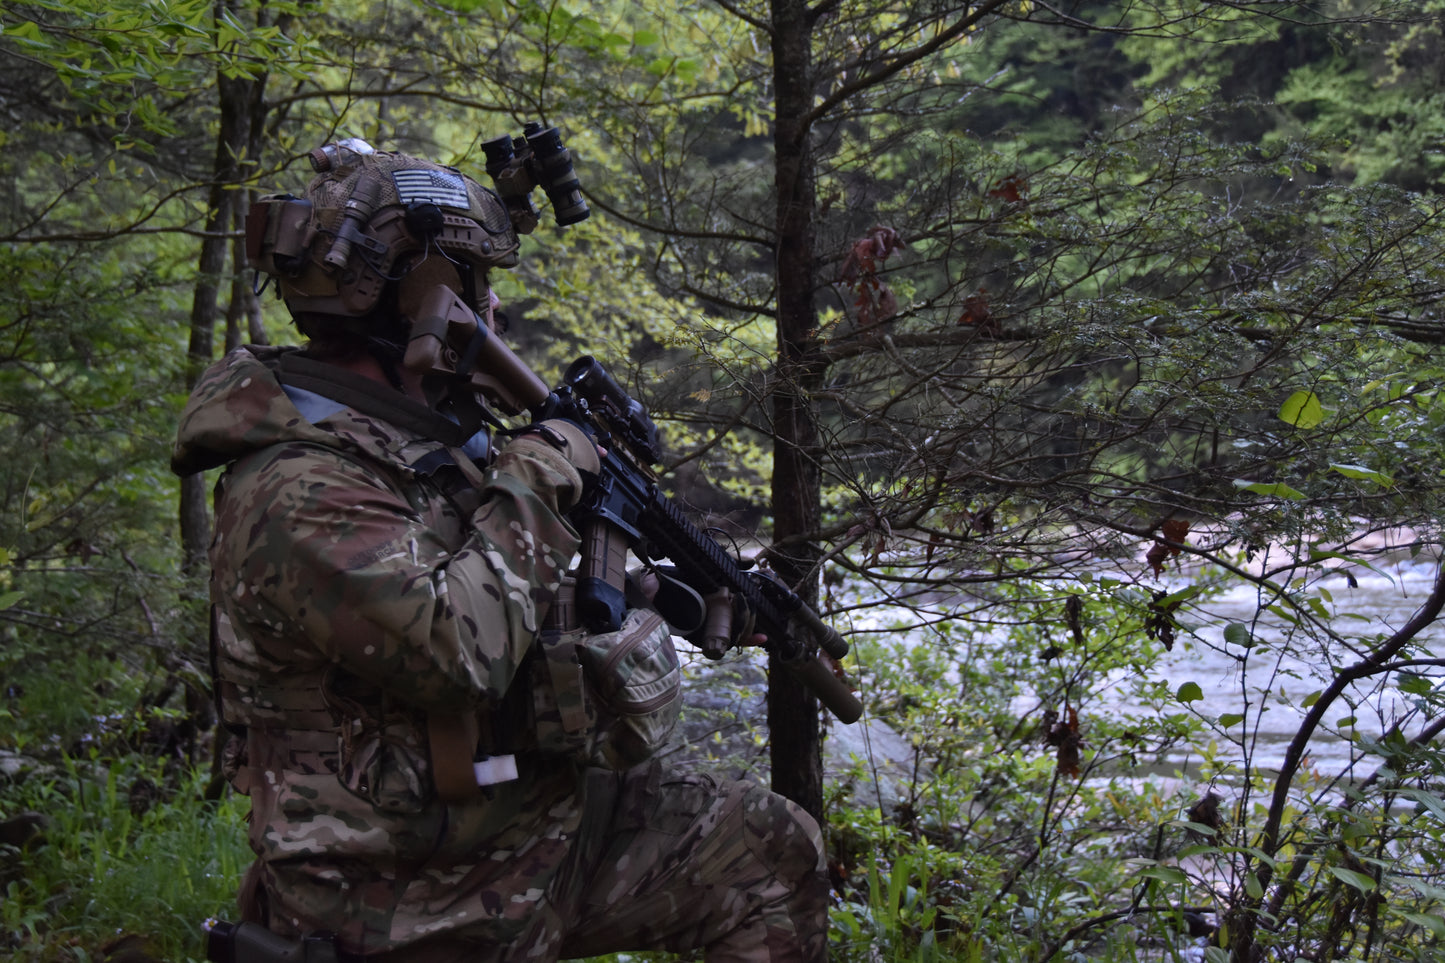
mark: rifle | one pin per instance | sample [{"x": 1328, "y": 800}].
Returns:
[
  {"x": 625, "y": 510},
  {"x": 254, "y": 943}
]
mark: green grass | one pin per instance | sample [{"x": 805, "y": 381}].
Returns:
[{"x": 103, "y": 871}]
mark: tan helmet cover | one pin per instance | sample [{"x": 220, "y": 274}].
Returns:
[{"x": 371, "y": 217}]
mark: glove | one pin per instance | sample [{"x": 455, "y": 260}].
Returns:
[
  {"x": 568, "y": 438},
  {"x": 564, "y": 444}
]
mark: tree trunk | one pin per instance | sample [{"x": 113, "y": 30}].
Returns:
[
  {"x": 238, "y": 137},
  {"x": 796, "y": 757}
]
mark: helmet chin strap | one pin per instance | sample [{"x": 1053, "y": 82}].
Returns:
[
  {"x": 469, "y": 283},
  {"x": 467, "y": 359}
]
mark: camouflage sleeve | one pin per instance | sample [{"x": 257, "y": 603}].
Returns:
[{"x": 331, "y": 558}]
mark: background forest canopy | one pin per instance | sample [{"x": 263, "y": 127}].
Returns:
[{"x": 1023, "y": 332}]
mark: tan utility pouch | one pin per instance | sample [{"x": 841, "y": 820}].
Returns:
[{"x": 636, "y": 680}]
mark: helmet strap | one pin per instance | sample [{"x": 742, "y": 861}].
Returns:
[{"x": 469, "y": 284}]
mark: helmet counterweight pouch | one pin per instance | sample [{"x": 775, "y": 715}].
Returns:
[{"x": 279, "y": 232}]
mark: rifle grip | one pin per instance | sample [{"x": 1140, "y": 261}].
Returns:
[{"x": 602, "y": 579}]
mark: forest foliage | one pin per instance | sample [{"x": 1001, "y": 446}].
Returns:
[{"x": 1022, "y": 333}]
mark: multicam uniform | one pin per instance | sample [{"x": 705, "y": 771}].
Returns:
[{"x": 361, "y": 581}]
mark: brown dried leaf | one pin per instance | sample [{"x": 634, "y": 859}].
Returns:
[
  {"x": 1064, "y": 736},
  {"x": 1176, "y": 529},
  {"x": 1073, "y": 609},
  {"x": 1161, "y": 624},
  {"x": 1013, "y": 188},
  {"x": 976, "y": 311}
]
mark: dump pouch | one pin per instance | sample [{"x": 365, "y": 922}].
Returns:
[{"x": 636, "y": 680}]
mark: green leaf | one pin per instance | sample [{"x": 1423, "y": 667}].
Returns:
[
  {"x": 1201, "y": 829},
  {"x": 1413, "y": 684},
  {"x": 1229, "y": 719},
  {"x": 1318, "y": 554},
  {"x": 1429, "y": 800},
  {"x": 1423, "y": 887},
  {"x": 1236, "y": 634},
  {"x": 1435, "y": 924},
  {"x": 1302, "y": 410},
  {"x": 1183, "y": 595},
  {"x": 1349, "y": 877},
  {"x": 1189, "y": 692},
  {"x": 1364, "y": 474},
  {"x": 25, "y": 30},
  {"x": 1311, "y": 699},
  {"x": 8, "y": 599},
  {"x": 1255, "y": 852},
  {"x": 1274, "y": 489},
  {"x": 1198, "y": 849},
  {"x": 1165, "y": 874}
]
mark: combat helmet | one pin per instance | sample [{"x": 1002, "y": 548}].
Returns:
[
  {"x": 392, "y": 250},
  {"x": 369, "y": 219}
]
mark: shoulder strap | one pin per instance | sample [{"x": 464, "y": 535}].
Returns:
[{"x": 370, "y": 398}]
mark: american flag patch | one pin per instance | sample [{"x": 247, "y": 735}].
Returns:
[{"x": 442, "y": 188}]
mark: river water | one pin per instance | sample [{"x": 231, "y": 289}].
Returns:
[{"x": 1269, "y": 681}]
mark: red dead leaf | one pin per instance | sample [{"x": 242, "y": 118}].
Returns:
[
  {"x": 1158, "y": 555},
  {"x": 875, "y": 301},
  {"x": 1064, "y": 737},
  {"x": 976, "y": 310},
  {"x": 1176, "y": 529},
  {"x": 1013, "y": 188},
  {"x": 866, "y": 253},
  {"x": 1068, "y": 759}
]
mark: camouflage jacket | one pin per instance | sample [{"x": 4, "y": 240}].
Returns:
[{"x": 360, "y": 582}]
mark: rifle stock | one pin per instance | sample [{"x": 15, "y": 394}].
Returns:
[{"x": 626, "y": 510}]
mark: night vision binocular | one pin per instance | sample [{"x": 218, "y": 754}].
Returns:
[{"x": 517, "y": 165}]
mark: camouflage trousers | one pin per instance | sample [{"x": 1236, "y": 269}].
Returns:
[{"x": 676, "y": 863}]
